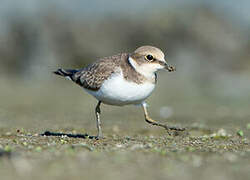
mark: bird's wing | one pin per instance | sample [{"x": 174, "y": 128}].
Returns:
[{"x": 95, "y": 74}]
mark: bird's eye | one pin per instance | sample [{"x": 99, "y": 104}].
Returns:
[{"x": 149, "y": 57}]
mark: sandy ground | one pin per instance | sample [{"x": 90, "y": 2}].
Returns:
[{"x": 215, "y": 145}]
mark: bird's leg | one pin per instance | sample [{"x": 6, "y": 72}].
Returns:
[
  {"x": 153, "y": 122},
  {"x": 98, "y": 120}
]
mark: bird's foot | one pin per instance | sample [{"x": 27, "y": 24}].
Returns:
[{"x": 168, "y": 128}]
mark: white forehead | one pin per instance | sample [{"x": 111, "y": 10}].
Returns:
[{"x": 154, "y": 51}]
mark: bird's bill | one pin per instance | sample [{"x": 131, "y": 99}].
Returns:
[{"x": 169, "y": 68}]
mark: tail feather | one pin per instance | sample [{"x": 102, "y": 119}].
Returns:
[{"x": 68, "y": 73}]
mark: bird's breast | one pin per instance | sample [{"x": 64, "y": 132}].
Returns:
[{"x": 118, "y": 91}]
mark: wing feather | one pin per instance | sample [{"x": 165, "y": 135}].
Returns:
[{"x": 93, "y": 75}]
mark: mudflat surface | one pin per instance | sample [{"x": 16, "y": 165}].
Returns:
[{"x": 215, "y": 145}]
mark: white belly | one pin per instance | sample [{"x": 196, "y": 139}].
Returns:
[{"x": 117, "y": 91}]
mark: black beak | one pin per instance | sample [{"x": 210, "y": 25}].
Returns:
[{"x": 169, "y": 68}]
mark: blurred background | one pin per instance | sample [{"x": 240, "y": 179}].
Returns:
[{"x": 207, "y": 41}]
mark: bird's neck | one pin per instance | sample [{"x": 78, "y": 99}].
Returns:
[{"x": 149, "y": 75}]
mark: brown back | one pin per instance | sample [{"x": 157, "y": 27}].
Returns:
[{"x": 92, "y": 76}]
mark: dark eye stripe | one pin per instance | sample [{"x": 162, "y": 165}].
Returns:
[{"x": 160, "y": 62}]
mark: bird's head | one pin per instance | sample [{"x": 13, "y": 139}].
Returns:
[{"x": 148, "y": 59}]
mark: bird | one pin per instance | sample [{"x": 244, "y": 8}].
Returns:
[{"x": 122, "y": 79}]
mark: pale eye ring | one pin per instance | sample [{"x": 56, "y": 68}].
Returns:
[{"x": 149, "y": 57}]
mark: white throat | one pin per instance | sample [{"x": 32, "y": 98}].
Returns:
[{"x": 147, "y": 70}]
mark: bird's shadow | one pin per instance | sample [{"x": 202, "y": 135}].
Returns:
[{"x": 83, "y": 136}]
